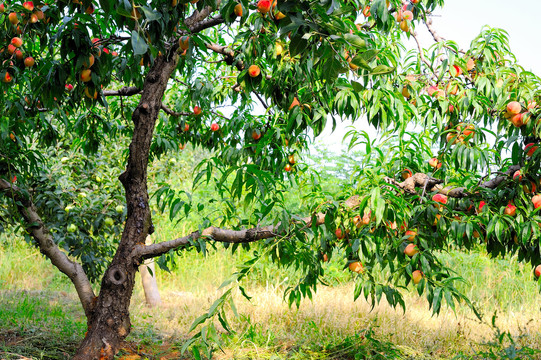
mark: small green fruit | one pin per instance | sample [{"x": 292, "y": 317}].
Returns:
[
  {"x": 72, "y": 228},
  {"x": 108, "y": 221},
  {"x": 68, "y": 208},
  {"x": 82, "y": 195},
  {"x": 119, "y": 209},
  {"x": 65, "y": 159}
]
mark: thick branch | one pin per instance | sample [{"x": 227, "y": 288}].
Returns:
[
  {"x": 217, "y": 234},
  {"x": 230, "y": 236},
  {"x": 125, "y": 91},
  {"x": 208, "y": 23},
  {"x": 417, "y": 180},
  {"x": 228, "y": 53},
  {"x": 433, "y": 184},
  {"x": 196, "y": 22},
  {"x": 47, "y": 246}
]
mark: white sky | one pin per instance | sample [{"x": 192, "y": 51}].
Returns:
[{"x": 461, "y": 21}]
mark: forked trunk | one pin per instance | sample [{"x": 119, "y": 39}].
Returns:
[{"x": 109, "y": 322}]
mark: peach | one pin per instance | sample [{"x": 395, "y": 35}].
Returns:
[
  {"x": 366, "y": 217},
  {"x": 531, "y": 189},
  {"x": 514, "y": 107},
  {"x": 455, "y": 70},
  {"x": 29, "y": 61},
  {"x": 184, "y": 42},
  {"x": 263, "y": 6},
  {"x": 407, "y": 15},
  {"x": 291, "y": 159},
  {"x": 411, "y": 234},
  {"x": 356, "y": 267},
  {"x": 470, "y": 64},
  {"x": 530, "y": 149},
  {"x": 17, "y": 42},
  {"x": 404, "y": 26},
  {"x": 88, "y": 62},
  {"x": 469, "y": 130},
  {"x": 278, "y": 49},
  {"x": 411, "y": 250},
  {"x": 13, "y": 18},
  {"x": 7, "y": 77},
  {"x": 254, "y": 71},
  {"x": 91, "y": 95},
  {"x": 366, "y": 11},
  {"x": 510, "y": 210},
  {"x": 214, "y": 127},
  {"x": 481, "y": 206},
  {"x": 196, "y": 110},
  {"x": 536, "y": 200},
  {"x": 238, "y": 10},
  {"x": 417, "y": 276},
  {"x": 279, "y": 15},
  {"x": 537, "y": 271},
  {"x": 86, "y": 75},
  {"x": 452, "y": 88},
  {"x": 518, "y": 120},
  {"x": 28, "y": 5},
  {"x": 440, "y": 198},
  {"x": 406, "y": 173},
  {"x": 517, "y": 176}
]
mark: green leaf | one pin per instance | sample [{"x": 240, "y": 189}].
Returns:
[
  {"x": 201, "y": 319},
  {"x": 355, "y": 40},
  {"x": 151, "y": 15},
  {"x": 139, "y": 44},
  {"x": 382, "y": 70}
]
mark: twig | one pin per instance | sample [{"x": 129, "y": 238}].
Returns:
[{"x": 174, "y": 113}]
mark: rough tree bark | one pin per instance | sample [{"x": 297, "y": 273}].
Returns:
[{"x": 109, "y": 322}]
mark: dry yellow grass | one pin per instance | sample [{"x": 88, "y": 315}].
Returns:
[{"x": 334, "y": 314}]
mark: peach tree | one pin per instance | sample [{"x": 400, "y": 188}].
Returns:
[{"x": 255, "y": 82}]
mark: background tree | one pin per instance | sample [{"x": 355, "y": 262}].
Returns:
[{"x": 254, "y": 83}]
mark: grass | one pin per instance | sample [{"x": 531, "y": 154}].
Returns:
[{"x": 40, "y": 317}]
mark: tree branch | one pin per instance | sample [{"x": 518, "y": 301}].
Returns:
[
  {"x": 124, "y": 91},
  {"x": 142, "y": 252},
  {"x": 198, "y": 20},
  {"x": 433, "y": 184},
  {"x": 228, "y": 53},
  {"x": 208, "y": 23},
  {"x": 47, "y": 246},
  {"x": 217, "y": 234},
  {"x": 428, "y": 23},
  {"x": 174, "y": 113},
  {"x": 421, "y": 54}
]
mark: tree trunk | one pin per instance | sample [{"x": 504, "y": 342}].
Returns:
[
  {"x": 109, "y": 323},
  {"x": 148, "y": 280}
]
